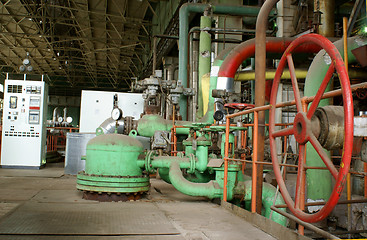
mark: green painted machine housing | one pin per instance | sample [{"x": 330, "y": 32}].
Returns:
[
  {"x": 111, "y": 165},
  {"x": 113, "y": 155}
]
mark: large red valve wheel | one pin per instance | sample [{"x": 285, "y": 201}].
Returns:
[{"x": 302, "y": 131}]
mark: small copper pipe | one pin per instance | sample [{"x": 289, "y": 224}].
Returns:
[{"x": 254, "y": 165}]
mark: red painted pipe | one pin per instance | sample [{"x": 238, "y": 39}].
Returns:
[{"x": 247, "y": 49}]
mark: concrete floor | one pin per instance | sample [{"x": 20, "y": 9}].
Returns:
[{"x": 44, "y": 204}]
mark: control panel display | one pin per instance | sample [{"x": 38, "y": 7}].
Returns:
[
  {"x": 13, "y": 102},
  {"x": 34, "y": 117}
]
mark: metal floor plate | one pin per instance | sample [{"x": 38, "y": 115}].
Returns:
[{"x": 129, "y": 218}]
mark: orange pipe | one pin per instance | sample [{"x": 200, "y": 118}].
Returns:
[
  {"x": 226, "y": 149},
  {"x": 254, "y": 166}
]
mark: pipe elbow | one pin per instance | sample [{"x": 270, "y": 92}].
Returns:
[{"x": 210, "y": 190}]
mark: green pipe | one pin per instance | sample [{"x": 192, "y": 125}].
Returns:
[
  {"x": 204, "y": 59},
  {"x": 208, "y": 117},
  {"x": 210, "y": 190},
  {"x": 268, "y": 194},
  {"x": 202, "y": 156},
  {"x": 165, "y": 162},
  {"x": 164, "y": 174},
  {"x": 319, "y": 182},
  {"x": 185, "y": 10},
  {"x": 148, "y": 124}
]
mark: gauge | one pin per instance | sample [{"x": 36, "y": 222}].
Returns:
[
  {"x": 26, "y": 61},
  {"x": 60, "y": 119},
  {"x": 116, "y": 114},
  {"x": 69, "y": 119}
]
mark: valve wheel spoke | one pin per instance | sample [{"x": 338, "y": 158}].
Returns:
[
  {"x": 292, "y": 72},
  {"x": 321, "y": 91},
  {"x": 283, "y": 132},
  {"x": 300, "y": 174},
  {"x": 316, "y": 144}
]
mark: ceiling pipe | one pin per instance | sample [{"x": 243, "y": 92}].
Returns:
[
  {"x": 246, "y": 50},
  {"x": 185, "y": 10}
]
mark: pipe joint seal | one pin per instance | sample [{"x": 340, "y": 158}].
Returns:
[
  {"x": 225, "y": 83},
  {"x": 148, "y": 160},
  {"x": 192, "y": 163}
]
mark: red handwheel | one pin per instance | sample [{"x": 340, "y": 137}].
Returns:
[{"x": 303, "y": 132}]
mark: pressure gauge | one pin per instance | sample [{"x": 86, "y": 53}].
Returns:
[
  {"x": 116, "y": 114},
  {"x": 69, "y": 119},
  {"x": 60, "y": 119}
]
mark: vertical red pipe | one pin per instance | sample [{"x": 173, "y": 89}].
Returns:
[
  {"x": 260, "y": 68},
  {"x": 254, "y": 164}
]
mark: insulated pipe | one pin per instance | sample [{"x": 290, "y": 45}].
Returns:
[
  {"x": 210, "y": 190},
  {"x": 185, "y": 10},
  {"x": 205, "y": 46},
  {"x": 109, "y": 126},
  {"x": 319, "y": 182}
]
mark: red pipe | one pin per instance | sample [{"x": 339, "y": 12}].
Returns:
[{"x": 247, "y": 49}]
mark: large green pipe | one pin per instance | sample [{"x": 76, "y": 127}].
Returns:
[
  {"x": 208, "y": 117},
  {"x": 210, "y": 190},
  {"x": 268, "y": 194},
  {"x": 150, "y": 123},
  {"x": 185, "y": 10},
  {"x": 204, "y": 58},
  {"x": 319, "y": 182}
]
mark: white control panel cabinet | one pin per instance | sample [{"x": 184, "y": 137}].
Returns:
[
  {"x": 96, "y": 107},
  {"x": 24, "y": 130}
]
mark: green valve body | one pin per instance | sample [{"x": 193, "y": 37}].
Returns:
[{"x": 111, "y": 165}]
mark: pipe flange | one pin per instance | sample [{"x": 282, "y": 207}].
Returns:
[
  {"x": 148, "y": 160},
  {"x": 180, "y": 154},
  {"x": 192, "y": 163}
]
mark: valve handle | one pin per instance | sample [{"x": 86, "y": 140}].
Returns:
[
  {"x": 239, "y": 106},
  {"x": 302, "y": 128}
]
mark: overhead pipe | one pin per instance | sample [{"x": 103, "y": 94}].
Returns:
[
  {"x": 319, "y": 182},
  {"x": 246, "y": 50},
  {"x": 185, "y": 10}
]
